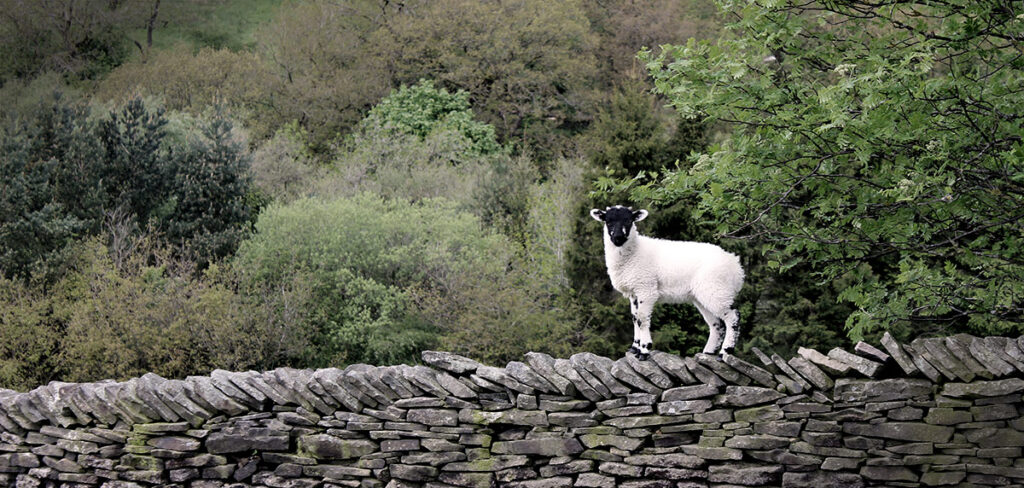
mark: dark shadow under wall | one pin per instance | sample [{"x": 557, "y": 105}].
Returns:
[{"x": 936, "y": 412}]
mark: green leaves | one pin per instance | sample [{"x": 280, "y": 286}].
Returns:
[{"x": 859, "y": 142}]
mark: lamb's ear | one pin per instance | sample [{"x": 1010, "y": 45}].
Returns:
[
  {"x": 639, "y": 215},
  {"x": 597, "y": 214}
]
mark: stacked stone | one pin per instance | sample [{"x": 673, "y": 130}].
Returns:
[{"x": 935, "y": 412}]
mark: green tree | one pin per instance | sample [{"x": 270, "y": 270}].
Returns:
[
  {"x": 422, "y": 109},
  {"x": 876, "y": 147},
  {"x": 527, "y": 66}
]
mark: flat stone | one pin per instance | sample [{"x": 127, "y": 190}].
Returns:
[
  {"x": 981, "y": 389},
  {"x": 246, "y": 439},
  {"x": 566, "y": 369},
  {"x": 527, "y": 376},
  {"x": 759, "y": 375},
  {"x": 745, "y": 474},
  {"x": 789, "y": 372},
  {"x": 513, "y": 416},
  {"x": 757, "y": 441},
  {"x": 745, "y": 396},
  {"x": 865, "y": 391},
  {"x": 784, "y": 457},
  {"x": 714, "y": 453},
  {"x": 935, "y": 351},
  {"x": 1007, "y": 350},
  {"x": 947, "y": 416},
  {"x": 888, "y": 473},
  {"x": 903, "y": 431},
  {"x": 473, "y": 480},
  {"x": 989, "y": 358},
  {"x": 621, "y": 442},
  {"x": 454, "y": 386},
  {"x": 764, "y": 413},
  {"x": 324, "y": 446},
  {"x": 947, "y": 478},
  {"x": 871, "y": 352},
  {"x": 412, "y": 473},
  {"x": 551, "y": 447},
  {"x": 683, "y": 407},
  {"x": 689, "y": 393},
  {"x": 996, "y": 437},
  {"x": 898, "y": 354},
  {"x": 594, "y": 480},
  {"x": 674, "y": 460},
  {"x": 820, "y": 479},
  {"x": 434, "y": 416},
  {"x": 544, "y": 365},
  {"x": 622, "y": 371},
  {"x": 601, "y": 368},
  {"x": 922, "y": 363},
  {"x": 175, "y": 443},
  {"x": 449, "y": 362},
  {"x": 960, "y": 346},
  {"x": 434, "y": 458},
  {"x": 491, "y": 464},
  {"x": 673, "y": 365},
  {"x": 722, "y": 370},
  {"x": 500, "y": 377},
  {"x": 651, "y": 371},
  {"x": 829, "y": 365},
  {"x": 556, "y": 482},
  {"x": 704, "y": 375}
]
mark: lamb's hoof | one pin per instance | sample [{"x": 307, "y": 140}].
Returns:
[
  {"x": 643, "y": 356},
  {"x": 633, "y": 350},
  {"x": 728, "y": 350}
]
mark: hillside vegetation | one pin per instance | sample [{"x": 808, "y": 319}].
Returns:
[{"x": 205, "y": 184}]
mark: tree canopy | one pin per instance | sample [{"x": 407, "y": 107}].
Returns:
[{"x": 880, "y": 145}]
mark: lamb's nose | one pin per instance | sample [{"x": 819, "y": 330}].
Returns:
[{"x": 618, "y": 240}]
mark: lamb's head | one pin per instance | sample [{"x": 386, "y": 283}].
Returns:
[{"x": 618, "y": 221}]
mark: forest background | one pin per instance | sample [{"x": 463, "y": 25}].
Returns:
[{"x": 198, "y": 184}]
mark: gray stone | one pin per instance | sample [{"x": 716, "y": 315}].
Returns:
[
  {"x": 689, "y": 393},
  {"x": 490, "y": 464},
  {"x": 617, "y": 441},
  {"x": 922, "y": 363},
  {"x": 764, "y": 413},
  {"x": 722, "y": 370},
  {"x": 500, "y": 377},
  {"x": 898, "y": 354},
  {"x": 594, "y": 480},
  {"x": 714, "y": 453},
  {"x": 556, "y": 482},
  {"x": 783, "y": 456},
  {"x": 871, "y": 352},
  {"x": 175, "y": 443},
  {"x": 650, "y": 370},
  {"x": 525, "y": 375},
  {"x": 702, "y": 373},
  {"x": 673, "y": 365},
  {"x": 412, "y": 473},
  {"x": 888, "y": 473},
  {"x": 865, "y": 391},
  {"x": 759, "y": 375},
  {"x": 623, "y": 370},
  {"x": 434, "y": 416},
  {"x": 513, "y": 416},
  {"x": 449, "y": 362},
  {"x": 757, "y": 442},
  {"x": 324, "y": 446},
  {"x": 980, "y": 389},
  {"x": 472, "y": 480},
  {"x": 988, "y": 357},
  {"x": 745, "y": 474},
  {"x": 544, "y": 365},
  {"x": 246, "y": 439},
  {"x": 821, "y": 479},
  {"x": 902, "y": 431},
  {"x": 602, "y": 369},
  {"x": 553, "y": 446},
  {"x": 787, "y": 371},
  {"x": 959, "y": 345},
  {"x": 674, "y": 460},
  {"x": 566, "y": 369},
  {"x": 829, "y": 365},
  {"x": 935, "y": 351},
  {"x": 745, "y": 396},
  {"x": 683, "y": 407},
  {"x": 811, "y": 373}
]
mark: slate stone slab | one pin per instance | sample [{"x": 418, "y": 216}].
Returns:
[
  {"x": 757, "y": 374},
  {"x": 903, "y": 431},
  {"x": 821, "y": 479},
  {"x": 673, "y": 365},
  {"x": 898, "y": 354},
  {"x": 526, "y": 375},
  {"x": 544, "y": 365},
  {"x": 922, "y": 364},
  {"x": 811, "y": 373},
  {"x": 934, "y": 350},
  {"x": 704, "y": 375},
  {"x": 865, "y": 391},
  {"x": 650, "y": 371},
  {"x": 550, "y": 447},
  {"x": 864, "y": 366},
  {"x": 827, "y": 364},
  {"x": 566, "y": 369},
  {"x": 959, "y": 346},
  {"x": 788, "y": 372},
  {"x": 989, "y": 358},
  {"x": 601, "y": 368},
  {"x": 981, "y": 389},
  {"x": 449, "y": 362},
  {"x": 746, "y": 396},
  {"x": 622, "y": 370}
]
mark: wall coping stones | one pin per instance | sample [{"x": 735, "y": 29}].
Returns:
[{"x": 938, "y": 411}]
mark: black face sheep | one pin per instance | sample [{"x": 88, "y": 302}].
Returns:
[{"x": 647, "y": 270}]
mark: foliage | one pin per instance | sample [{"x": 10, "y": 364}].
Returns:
[
  {"x": 526, "y": 65},
  {"x": 421, "y": 110},
  {"x": 877, "y": 145},
  {"x": 118, "y": 315},
  {"x": 64, "y": 170}
]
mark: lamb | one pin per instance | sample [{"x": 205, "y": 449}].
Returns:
[{"x": 648, "y": 270}]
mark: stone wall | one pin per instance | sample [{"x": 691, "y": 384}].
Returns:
[{"x": 936, "y": 412}]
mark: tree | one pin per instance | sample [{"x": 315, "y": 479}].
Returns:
[
  {"x": 527, "y": 65},
  {"x": 879, "y": 146}
]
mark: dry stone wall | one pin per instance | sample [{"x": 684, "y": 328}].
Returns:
[{"x": 935, "y": 412}]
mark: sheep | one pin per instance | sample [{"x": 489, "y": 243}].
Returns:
[{"x": 648, "y": 270}]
